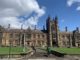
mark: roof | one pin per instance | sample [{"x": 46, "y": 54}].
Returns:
[
  {"x": 65, "y": 33},
  {"x": 23, "y": 30}
]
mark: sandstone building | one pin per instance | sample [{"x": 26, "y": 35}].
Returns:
[
  {"x": 51, "y": 36},
  {"x": 57, "y": 38}
]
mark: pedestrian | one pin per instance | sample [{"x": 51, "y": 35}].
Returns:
[
  {"x": 48, "y": 51},
  {"x": 33, "y": 48}
]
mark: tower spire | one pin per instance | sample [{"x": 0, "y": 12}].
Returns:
[
  {"x": 8, "y": 26},
  {"x": 21, "y": 26},
  {"x": 77, "y": 29},
  {"x": 35, "y": 27}
]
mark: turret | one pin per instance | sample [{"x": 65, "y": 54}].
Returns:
[
  {"x": 48, "y": 23},
  {"x": 43, "y": 27},
  {"x": 48, "y": 19},
  {"x": 56, "y": 20},
  {"x": 56, "y": 23},
  {"x": 77, "y": 29}
]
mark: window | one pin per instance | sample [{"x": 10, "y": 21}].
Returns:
[
  {"x": 43, "y": 36},
  {"x": 63, "y": 36},
  {"x": 0, "y": 38},
  {"x": 54, "y": 35},
  {"x": 0, "y": 35},
  {"x": 16, "y": 35},
  {"x": 38, "y": 36},
  {"x": 28, "y": 36},
  {"x": 11, "y": 35},
  {"x": 52, "y": 28},
  {"x": 34, "y": 36}
]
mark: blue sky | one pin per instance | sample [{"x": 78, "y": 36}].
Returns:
[
  {"x": 67, "y": 15},
  {"x": 28, "y": 13}
]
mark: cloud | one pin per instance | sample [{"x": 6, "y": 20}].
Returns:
[
  {"x": 71, "y": 2},
  {"x": 78, "y": 8},
  {"x": 18, "y": 12}
]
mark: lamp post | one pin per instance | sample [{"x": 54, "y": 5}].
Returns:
[
  {"x": 24, "y": 42},
  {"x": 9, "y": 48},
  {"x": 23, "y": 38},
  {"x": 9, "y": 40}
]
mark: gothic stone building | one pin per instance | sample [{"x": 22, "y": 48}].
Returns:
[
  {"x": 17, "y": 37},
  {"x": 51, "y": 36}
]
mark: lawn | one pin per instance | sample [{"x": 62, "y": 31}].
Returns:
[
  {"x": 64, "y": 50},
  {"x": 12, "y": 50},
  {"x": 67, "y": 50}
]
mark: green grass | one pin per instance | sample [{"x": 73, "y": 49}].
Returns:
[
  {"x": 67, "y": 50},
  {"x": 70, "y": 51},
  {"x": 13, "y": 50}
]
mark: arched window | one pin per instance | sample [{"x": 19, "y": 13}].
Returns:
[
  {"x": 43, "y": 36},
  {"x": 11, "y": 35}
]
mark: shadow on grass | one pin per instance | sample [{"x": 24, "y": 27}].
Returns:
[
  {"x": 58, "y": 54},
  {"x": 54, "y": 53}
]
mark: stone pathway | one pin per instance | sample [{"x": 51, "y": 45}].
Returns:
[
  {"x": 41, "y": 55},
  {"x": 48, "y": 58}
]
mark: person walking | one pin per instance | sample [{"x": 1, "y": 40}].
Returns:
[
  {"x": 48, "y": 51},
  {"x": 33, "y": 48}
]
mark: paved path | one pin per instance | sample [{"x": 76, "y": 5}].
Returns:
[{"x": 42, "y": 55}]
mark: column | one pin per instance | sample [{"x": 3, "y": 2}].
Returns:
[{"x": 20, "y": 39}]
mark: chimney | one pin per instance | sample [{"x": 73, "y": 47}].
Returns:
[
  {"x": 8, "y": 26},
  {"x": 35, "y": 27},
  {"x": 66, "y": 29},
  {"x": 21, "y": 26}
]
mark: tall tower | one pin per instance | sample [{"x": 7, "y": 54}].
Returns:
[
  {"x": 52, "y": 31},
  {"x": 56, "y": 31},
  {"x": 49, "y": 40}
]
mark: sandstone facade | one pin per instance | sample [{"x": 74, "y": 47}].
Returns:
[{"x": 51, "y": 36}]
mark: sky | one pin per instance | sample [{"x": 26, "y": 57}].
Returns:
[
  {"x": 68, "y": 12},
  {"x": 28, "y": 13}
]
